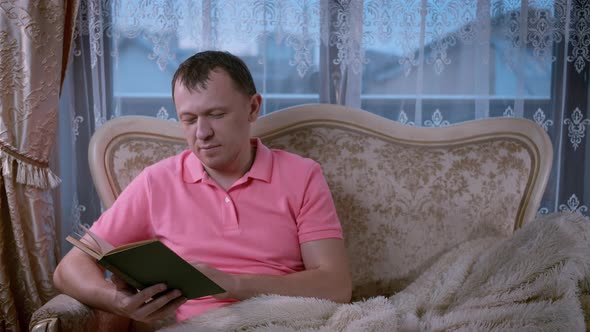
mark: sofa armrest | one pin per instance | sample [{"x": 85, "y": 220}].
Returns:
[{"x": 64, "y": 314}]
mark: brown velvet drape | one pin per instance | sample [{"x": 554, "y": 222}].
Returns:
[{"x": 35, "y": 39}]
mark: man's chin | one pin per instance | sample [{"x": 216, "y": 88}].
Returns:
[{"x": 205, "y": 155}]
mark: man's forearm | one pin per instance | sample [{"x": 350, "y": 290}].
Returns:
[
  {"x": 309, "y": 283},
  {"x": 80, "y": 277},
  {"x": 326, "y": 276}
]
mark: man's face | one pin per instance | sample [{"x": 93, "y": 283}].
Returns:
[{"x": 216, "y": 122}]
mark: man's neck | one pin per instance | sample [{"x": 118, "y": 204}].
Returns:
[{"x": 226, "y": 179}]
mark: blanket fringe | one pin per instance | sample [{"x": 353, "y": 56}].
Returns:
[{"x": 28, "y": 173}]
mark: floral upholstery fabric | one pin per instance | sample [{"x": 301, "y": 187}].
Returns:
[
  {"x": 401, "y": 205},
  {"x": 134, "y": 153}
]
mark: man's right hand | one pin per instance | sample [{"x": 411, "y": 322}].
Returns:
[
  {"x": 79, "y": 276},
  {"x": 148, "y": 305}
]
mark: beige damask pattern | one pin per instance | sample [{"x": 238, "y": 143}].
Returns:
[
  {"x": 421, "y": 200},
  {"x": 134, "y": 153}
]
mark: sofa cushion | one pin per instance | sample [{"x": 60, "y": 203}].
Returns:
[{"x": 402, "y": 205}]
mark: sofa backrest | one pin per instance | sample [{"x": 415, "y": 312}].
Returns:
[{"x": 405, "y": 195}]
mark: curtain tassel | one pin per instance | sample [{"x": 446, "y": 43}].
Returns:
[{"x": 27, "y": 173}]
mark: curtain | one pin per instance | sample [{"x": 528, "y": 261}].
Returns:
[
  {"x": 419, "y": 62},
  {"x": 33, "y": 37}
]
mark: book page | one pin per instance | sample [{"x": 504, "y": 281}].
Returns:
[
  {"x": 103, "y": 245},
  {"x": 84, "y": 247},
  {"x": 131, "y": 245}
]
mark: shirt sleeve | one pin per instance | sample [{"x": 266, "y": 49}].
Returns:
[
  {"x": 128, "y": 219},
  {"x": 317, "y": 218}
]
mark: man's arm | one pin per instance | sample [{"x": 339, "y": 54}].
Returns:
[
  {"x": 79, "y": 276},
  {"x": 326, "y": 276}
]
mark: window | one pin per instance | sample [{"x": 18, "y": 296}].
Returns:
[{"x": 449, "y": 62}]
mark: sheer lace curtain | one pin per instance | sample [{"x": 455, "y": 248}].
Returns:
[{"x": 420, "y": 62}]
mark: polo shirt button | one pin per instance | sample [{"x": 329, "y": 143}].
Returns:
[{"x": 227, "y": 199}]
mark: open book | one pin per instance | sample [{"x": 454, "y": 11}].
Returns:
[{"x": 146, "y": 263}]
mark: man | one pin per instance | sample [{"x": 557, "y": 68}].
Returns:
[{"x": 254, "y": 220}]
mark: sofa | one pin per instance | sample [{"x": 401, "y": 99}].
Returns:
[{"x": 405, "y": 195}]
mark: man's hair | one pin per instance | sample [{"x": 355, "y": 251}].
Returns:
[{"x": 194, "y": 72}]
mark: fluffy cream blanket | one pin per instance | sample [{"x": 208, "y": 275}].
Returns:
[{"x": 529, "y": 282}]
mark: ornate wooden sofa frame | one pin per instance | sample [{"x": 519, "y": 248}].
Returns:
[{"x": 404, "y": 194}]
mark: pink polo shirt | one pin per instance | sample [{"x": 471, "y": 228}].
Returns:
[{"x": 255, "y": 227}]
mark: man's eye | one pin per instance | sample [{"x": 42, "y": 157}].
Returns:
[
  {"x": 217, "y": 115},
  {"x": 189, "y": 120}
]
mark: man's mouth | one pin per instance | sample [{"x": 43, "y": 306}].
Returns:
[{"x": 208, "y": 147}]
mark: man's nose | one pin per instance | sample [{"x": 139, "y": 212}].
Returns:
[{"x": 204, "y": 130}]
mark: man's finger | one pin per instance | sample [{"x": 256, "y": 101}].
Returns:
[
  {"x": 200, "y": 266},
  {"x": 209, "y": 271},
  {"x": 221, "y": 296},
  {"x": 169, "y": 309},
  {"x": 150, "y": 308},
  {"x": 147, "y": 293}
]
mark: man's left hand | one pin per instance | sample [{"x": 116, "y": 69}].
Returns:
[{"x": 225, "y": 280}]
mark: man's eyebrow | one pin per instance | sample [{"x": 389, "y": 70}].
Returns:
[
  {"x": 182, "y": 115},
  {"x": 203, "y": 112}
]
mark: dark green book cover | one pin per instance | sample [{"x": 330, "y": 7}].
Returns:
[{"x": 152, "y": 263}]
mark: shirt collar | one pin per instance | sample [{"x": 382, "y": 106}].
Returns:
[
  {"x": 193, "y": 171},
  {"x": 262, "y": 167}
]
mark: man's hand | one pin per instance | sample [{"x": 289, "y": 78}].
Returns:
[
  {"x": 227, "y": 281},
  {"x": 148, "y": 305}
]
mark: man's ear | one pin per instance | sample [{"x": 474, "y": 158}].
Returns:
[{"x": 255, "y": 104}]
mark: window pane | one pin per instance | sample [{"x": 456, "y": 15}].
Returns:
[
  {"x": 278, "y": 40},
  {"x": 457, "y": 50}
]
